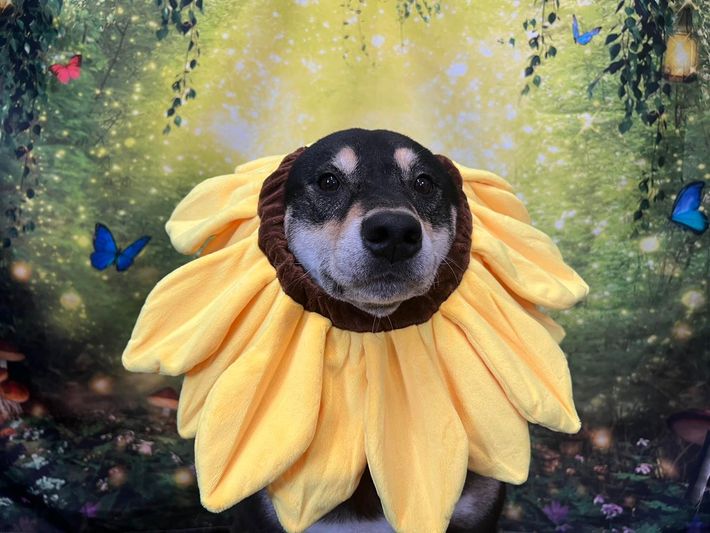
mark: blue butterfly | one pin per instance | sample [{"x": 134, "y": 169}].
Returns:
[
  {"x": 106, "y": 252},
  {"x": 685, "y": 208},
  {"x": 585, "y": 37}
]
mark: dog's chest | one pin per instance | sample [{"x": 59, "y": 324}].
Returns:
[{"x": 479, "y": 503}]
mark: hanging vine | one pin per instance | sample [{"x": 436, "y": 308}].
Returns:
[
  {"x": 182, "y": 15},
  {"x": 26, "y": 32},
  {"x": 540, "y": 43}
]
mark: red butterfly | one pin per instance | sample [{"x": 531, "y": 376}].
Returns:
[{"x": 70, "y": 71}]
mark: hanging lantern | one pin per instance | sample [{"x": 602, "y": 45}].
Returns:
[{"x": 680, "y": 62}]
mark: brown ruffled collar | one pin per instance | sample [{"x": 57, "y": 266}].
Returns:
[{"x": 301, "y": 287}]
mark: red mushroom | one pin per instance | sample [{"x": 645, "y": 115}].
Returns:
[
  {"x": 14, "y": 391},
  {"x": 691, "y": 425},
  {"x": 165, "y": 398},
  {"x": 12, "y": 394},
  {"x": 9, "y": 352},
  {"x": 694, "y": 426}
]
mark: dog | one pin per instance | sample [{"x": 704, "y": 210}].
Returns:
[{"x": 371, "y": 215}]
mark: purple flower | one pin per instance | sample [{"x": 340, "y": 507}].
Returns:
[
  {"x": 643, "y": 443},
  {"x": 644, "y": 468},
  {"x": 556, "y": 512},
  {"x": 611, "y": 510},
  {"x": 598, "y": 499},
  {"x": 89, "y": 510},
  {"x": 579, "y": 458}
]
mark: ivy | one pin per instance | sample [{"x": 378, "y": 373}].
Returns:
[
  {"x": 539, "y": 41},
  {"x": 26, "y": 32},
  {"x": 182, "y": 16},
  {"x": 636, "y": 45}
]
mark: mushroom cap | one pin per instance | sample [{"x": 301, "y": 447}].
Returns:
[
  {"x": 9, "y": 352},
  {"x": 14, "y": 391},
  {"x": 3, "y": 374},
  {"x": 165, "y": 398},
  {"x": 692, "y": 425}
]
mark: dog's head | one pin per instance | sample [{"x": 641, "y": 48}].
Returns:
[{"x": 370, "y": 214}]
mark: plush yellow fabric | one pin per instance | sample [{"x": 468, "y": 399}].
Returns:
[{"x": 277, "y": 397}]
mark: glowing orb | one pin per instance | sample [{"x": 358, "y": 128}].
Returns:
[
  {"x": 650, "y": 244},
  {"x": 681, "y": 331},
  {"x": 601, "y": 438},
  {"x": 117, "y": 476},
  {"x": 21, "y": 271},
  {"x": 70, "y": 300},
  {"x": 101, "y": 385},
  {"x": 183, "y": 477},
  {"x": 513, "y": 511},
  {"x": 693, "y": 299}
]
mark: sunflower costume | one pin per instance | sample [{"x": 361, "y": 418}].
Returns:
[{"x": 290, "y": 389}]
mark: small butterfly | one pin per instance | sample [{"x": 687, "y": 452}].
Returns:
[
  {"x": 585, "y": 37},
  {"x": 686, "y": 211},
  {"x": 68, "y": 72},
  {"x": 106, "y": 252}
]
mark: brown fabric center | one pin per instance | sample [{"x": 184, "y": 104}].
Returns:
[{"x": 301, "y": 287}]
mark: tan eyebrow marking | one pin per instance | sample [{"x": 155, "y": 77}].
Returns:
[
  {"x": 405, "y": 158},
  {"x": 346, "y": 160}
]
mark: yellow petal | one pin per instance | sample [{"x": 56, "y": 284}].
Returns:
[
  {"x": 498, "y": 197},
  {"x": 188, "y": 313},
  {"x": 219, "y": 206},
  {"x": 498, "y": 438},
  {"x": 521, "y": 354},
  {"x": 416, "y": 446},
  {"x": 247, "y": 328},
  {"x": 525, "y": 259},
  {"x": 261, "y": 414},
  {"x": 330, "y": 469}
]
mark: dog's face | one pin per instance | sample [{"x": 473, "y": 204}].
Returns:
[{"x": 370, "y": 214}]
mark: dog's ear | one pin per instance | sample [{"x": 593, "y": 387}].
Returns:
[{"x": 223, "y": 209}]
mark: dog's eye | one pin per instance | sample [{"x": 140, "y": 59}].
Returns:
[
  {"x": 423, "y": 184},
  {"x": 328, "y": 182}
]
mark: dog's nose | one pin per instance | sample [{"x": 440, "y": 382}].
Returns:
[{"x": 393, "y": 235}]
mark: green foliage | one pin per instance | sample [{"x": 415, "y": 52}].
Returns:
[
  {"x": 539, "y": 41},
  {"x": 182, "y": 15},
  {"x": 424, "y": 9},
  {"x": 636, "y": 46},
  {"x": 27, "y": 30}
]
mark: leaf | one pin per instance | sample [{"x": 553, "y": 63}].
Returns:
[
  {"x": 611, "y": 38},
  {"x": 552, "y": 51},
  {"x": 162, "y": 33},
  {"x": 525, "y": 90},
  {"x": 537, "y": 80},
  {"x": 625, "y": 125},
  {"x": 529, "y": 71},
  {"x": 615, "y": 66},
  {"x": 552, "y": 17},
  {"x": 645, "y": 204},
  {"x": 638, "y": 215},
  {"x": 177, "y": 120},
  {"x": 643, "y": 185},
  {"x": 614, "y": 51}
]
